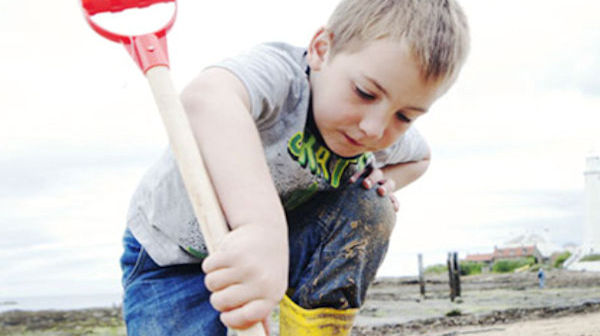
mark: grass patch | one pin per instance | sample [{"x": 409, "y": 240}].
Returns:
[
  {"x": 94, "y": 321},
  {"x": 509, "y": 265},
  {"x": 470, "y": 267},
  {"x": 537, "y": 267},
  {"x": 560, "y": 260},
  {"x": 436, "y": 269},
  {"x": 466, "y": 268},
  {"x": 454, "y": 312},
  {"x": 591, "y": 257}
]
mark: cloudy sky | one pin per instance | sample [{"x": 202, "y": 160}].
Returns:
[{"x": 78, "y": 128}]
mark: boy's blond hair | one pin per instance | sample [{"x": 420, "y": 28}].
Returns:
[{"x": 436, "y": 30}]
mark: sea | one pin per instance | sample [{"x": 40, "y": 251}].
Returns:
[{"x": 63, "y": 302}]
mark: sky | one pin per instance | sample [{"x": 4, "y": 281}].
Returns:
[{"x": 78, "y": 129}]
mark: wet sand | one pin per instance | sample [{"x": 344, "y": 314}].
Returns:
[{"x": 395, "y": 306}]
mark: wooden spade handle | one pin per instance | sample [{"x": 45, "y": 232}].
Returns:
[{"x": 191, "y": 166}]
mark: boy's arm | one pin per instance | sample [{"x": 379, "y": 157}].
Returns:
[
  {"x": 393, "y": 177},
  {"x": 248, "y": 271},
  {"x": 412, "y": 156},
  {"x": 404, "y": 173}
]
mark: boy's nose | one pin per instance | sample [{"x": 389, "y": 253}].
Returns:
[{"x": 373, "y": 125}]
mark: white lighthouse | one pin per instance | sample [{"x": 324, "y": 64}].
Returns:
[
  {"x": 591, "y": 232},
  {"x": 591, "y": 229}
]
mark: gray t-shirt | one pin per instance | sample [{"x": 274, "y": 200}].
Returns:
[{"x": 160, "y": 214}]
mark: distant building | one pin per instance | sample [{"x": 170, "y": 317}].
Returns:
[
  {"x": 591, "y": 228},
  {"x": 518, "y": 253},
  {"x": 507, "y": 253},
  {"x": 591, "y": 238},
  {"x": 540, "y": 240},
  {"x": 486, "y": 258}
]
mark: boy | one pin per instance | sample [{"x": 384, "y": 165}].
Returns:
[{"x": 304, "y": 148}]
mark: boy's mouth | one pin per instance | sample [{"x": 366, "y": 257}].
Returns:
[{"x": 352, "y": 141}]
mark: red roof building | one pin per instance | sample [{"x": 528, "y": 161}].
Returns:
[
  {"x": 483, "y": 257},
  {"x": 516, "y": 252},
  {"x": 506, "y": 253}
]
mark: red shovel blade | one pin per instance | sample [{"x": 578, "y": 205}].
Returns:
[
  {"x": 147, "y": 50},
  {"x": 99, "y": 6}
]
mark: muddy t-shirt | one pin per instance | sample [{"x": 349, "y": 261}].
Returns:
[{"x": 275, "y": 76}]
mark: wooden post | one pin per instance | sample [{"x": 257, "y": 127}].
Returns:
[
  {"x": 450, "y": 264},
  {"x": 456, "y": 274},
  {"x": 421, "y": 276}
]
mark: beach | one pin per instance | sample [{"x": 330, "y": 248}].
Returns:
[{"x": 490, "y": 304}]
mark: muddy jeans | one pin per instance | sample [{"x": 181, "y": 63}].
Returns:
[{"x": 337, "y": 241}]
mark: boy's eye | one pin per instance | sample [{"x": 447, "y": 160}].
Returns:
[
  {"x": 402, "y": 117},
  {"x": 363, "y": 94}
]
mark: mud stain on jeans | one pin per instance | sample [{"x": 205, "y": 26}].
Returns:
[{"x": 355, "y": 247}]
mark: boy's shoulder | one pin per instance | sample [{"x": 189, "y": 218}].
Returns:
[
  {"x": 283, "y": 48},
  {"x": 269, "y": 63},
  {"x": 280, "y": 53},
  {"x": 274, "y": 75}
]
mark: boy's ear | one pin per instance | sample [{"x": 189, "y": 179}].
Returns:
[{"x": 319, "y": 48}]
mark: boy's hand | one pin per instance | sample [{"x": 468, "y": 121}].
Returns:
[
  {"x": 374, "y": 177},
  {"x": 248, "y": 274}
]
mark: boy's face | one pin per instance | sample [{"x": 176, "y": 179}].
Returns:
[{"x": 366, "y": 99}]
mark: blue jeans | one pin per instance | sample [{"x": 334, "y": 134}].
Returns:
[{"x": 337, "y": 241}]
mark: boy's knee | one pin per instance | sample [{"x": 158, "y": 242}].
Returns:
[
  {"x": 363, "y": 225},
  {"x": 375, "y": 213}
]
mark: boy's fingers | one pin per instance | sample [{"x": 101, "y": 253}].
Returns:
[
  {"x": 247, "y": 315},
  {"x": 391, "y": 184},
  {"x": 355, "y": 177},
  {"x": 367, "y": 183},
  {"x": 221, "y": 278},
  {"x": 217, "y": 260},
  {"x": 265, "y": 324},
  {"x": 395, "y": 202},
  {"x": 386, "y": 186},
  {"x": 362, "y": 173},
  {"x": 375, "y": 177},
  {"x": 232, "y": 297}
]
